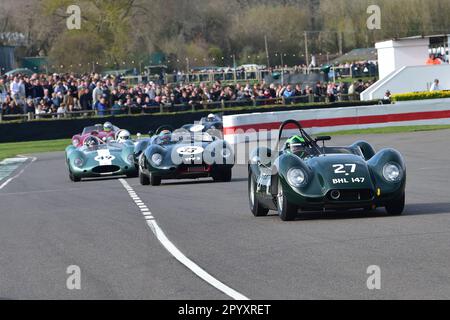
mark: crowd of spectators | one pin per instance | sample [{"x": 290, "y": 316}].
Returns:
[{"x": 57, "y": 94}]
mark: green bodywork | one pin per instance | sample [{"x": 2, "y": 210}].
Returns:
[{"x": 355, "y": 171}]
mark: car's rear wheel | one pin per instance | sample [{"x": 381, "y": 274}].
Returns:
[
  {"x": 155, "y": 180},
  {"x": 397, "y": 206},
  {"x": 286, "y": 210},
  {"x": 143, "y": 179},
  {"x": 257, "y": 209},
  {"x": 222, "y": 175}
]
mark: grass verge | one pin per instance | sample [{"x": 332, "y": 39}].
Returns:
[
  {"x": 8, "y": 150},
  {"x": 388, "y": 130}
]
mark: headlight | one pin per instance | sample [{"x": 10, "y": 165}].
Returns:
[
  {"x": 296, "y": 177},
  {"x": 157, "y": 159},
  {"x": 75, "y": 142},
  {"x": 78, "y": 162},
  {"x": 392, "y": 172},
  {"x": 130, "y": 158}
]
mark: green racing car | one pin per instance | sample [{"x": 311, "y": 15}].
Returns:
[
  {"x": 305, "y": 175},
  {"x": 98, "y": 158}
]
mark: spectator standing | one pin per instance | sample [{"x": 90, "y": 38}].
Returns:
[
  {"x": 435, "y": 86},
  {"x": 85, "y": 100},
  {"x": 101, "y": 106},
  {"x": 97, "y": 93},
  {"x": 61, "y": 111},
  {"x": 433, "y": 60},
  {"x": 15, "y": 89},
  {"x": 288, "y": 94}
]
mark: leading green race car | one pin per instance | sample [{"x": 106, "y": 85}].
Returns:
[
  {"x": 305, "y": 176},
  {"x": 96, "y": 158}
]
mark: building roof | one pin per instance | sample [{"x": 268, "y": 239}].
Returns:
[
  {"x": 423, "y": 37},
  {"x": 361, "y": 54}
]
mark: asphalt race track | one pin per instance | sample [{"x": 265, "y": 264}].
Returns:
[{"x": 48, "y": 223}]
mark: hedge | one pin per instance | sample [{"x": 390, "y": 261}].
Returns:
[{"x": 421, "y": 95}]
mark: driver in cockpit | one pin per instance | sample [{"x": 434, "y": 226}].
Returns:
[
  {"x": 165, "y": 137},
  {"x": 211, "y": 118},
  {"x": 298, "y": 146},
  {"x": 91, "y": 142}
]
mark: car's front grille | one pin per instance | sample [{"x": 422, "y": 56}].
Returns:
[
  {"x": 350, "y": 195},
  {"x": 106, "y": 169}
]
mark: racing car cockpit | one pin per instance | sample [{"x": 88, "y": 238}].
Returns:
[
  {"x": 164, "y": 138},
  {"x": 297, "y": 145},
  {"x": 210, "y": 118},
  {"x": 92, "y": 142}
]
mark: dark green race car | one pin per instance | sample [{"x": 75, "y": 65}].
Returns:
[
  {"x": 184, "y": 155},
  {"x": 305, "y": 176}
]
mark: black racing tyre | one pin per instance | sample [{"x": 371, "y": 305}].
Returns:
[
  {"x": 155, "y": 180},
  {"x": 222, "y": 175},
  {"x": 397, "y": 206},
  {"x": 143, "y": 179},
  {"x": 286, "y": 210},
  {"x": 73, "y": 178},
  {"x": 257, "y": 209}
]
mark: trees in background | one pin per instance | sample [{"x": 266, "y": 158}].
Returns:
[{"x": 211, "y": 32}]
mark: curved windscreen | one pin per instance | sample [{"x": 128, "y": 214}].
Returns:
[{"x": 183, "y": 137}]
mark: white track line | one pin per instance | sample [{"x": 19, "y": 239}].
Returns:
[
  {"x": 4, "y": 184},
  {"x": 175, "y": 252}
]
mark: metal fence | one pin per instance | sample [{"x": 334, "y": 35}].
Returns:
[
  {"x": 229, "y": 75},
  {"x": 222, "y": 105}
]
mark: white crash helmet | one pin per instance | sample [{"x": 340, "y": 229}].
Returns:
[
  {"x": 211, "y": 117},
  {"x": 123, "y": 136}
]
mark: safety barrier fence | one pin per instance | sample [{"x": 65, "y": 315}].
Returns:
[{"x": 264, "y": 126}]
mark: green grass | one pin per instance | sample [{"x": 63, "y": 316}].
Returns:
[
  {"x": 388, "y": 130},
  {"x": 8, "y": 150}
]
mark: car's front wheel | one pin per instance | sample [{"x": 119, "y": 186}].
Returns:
[
  {"x": 155, "y": 180},
  {"x": 255, "y": 206},
  {"x": 73, "y": 178},
  {"x": 143, "y": 179},
  {"x": 397, "y": 206},
  {"x": 286, "y": 210}
]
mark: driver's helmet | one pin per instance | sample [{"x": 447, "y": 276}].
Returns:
[
  {"x": 165, "y": 137},
  {"x": 211, "y": 117},
  {"x": 108, "y": 127},
  {"x": 165, "y": 133},
  {"x": 296, "y": 144},
  {"x": 123, "y": 136},
  {"x": 91, "y": 142}
]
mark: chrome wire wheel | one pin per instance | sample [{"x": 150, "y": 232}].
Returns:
[{"x": 280, "y": 197}]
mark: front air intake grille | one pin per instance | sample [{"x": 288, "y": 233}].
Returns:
[
  {"x": 106, "y": 169},
  {"x": 350, "y": 195}
]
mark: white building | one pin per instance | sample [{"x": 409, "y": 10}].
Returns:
[{"x": 402, "y": 65}]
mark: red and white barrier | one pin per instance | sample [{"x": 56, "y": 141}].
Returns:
[{"x": 256, "y": 126}]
